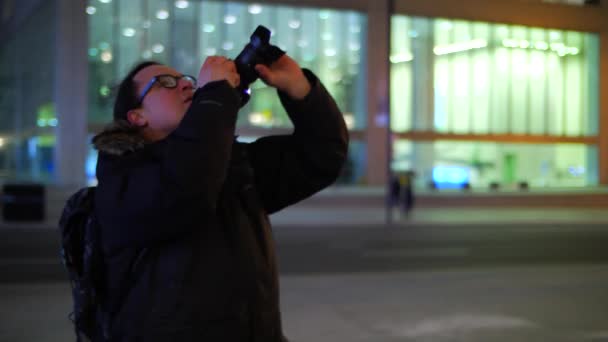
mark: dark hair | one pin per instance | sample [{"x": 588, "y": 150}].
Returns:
[{"x": 126, "y": 97}]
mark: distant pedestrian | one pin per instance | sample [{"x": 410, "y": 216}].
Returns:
[{"x": 407, "y": 192}]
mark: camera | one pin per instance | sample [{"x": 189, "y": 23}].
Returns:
[{"x": 257, "y": 51}]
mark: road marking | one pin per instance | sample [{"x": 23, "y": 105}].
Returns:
[{"x": 418, "y": 253}]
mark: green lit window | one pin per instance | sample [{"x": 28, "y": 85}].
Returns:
[{"x": 461, "y": 77}]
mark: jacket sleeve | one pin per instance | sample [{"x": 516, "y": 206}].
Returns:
[
  {"x": 292, "y": 167},
  {"x": 171, "y": 186}
]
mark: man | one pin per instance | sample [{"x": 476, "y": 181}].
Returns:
[{"x": 183, "y": 207}]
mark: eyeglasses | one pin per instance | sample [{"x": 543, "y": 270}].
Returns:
[{"x": 166, "y": 81}]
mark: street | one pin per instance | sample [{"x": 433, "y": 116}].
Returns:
[{"x": 411, "y": 281}]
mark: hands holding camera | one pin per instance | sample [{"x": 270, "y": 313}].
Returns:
[{"x": 284, "y": 74}]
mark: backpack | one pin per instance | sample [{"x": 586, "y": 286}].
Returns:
[{"x": 82, "y": 257}]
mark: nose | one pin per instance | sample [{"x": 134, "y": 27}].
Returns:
[{"x": 184, "y": 84}]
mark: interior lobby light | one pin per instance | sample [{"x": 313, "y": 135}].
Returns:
[
  {"x": 158, "y": 48},
  {"x": 541, "y": 46},
  {"x": 230, "y": 19},
  {"x": 1, "y": 142},
  {"x": 294, "y": 24},
  {"x": 255, "y": 9},
  {"x": 460, "y": 47},
  {"x": 105, "y": 1},
  {"x": 330, "y": 52},
  {"x": 349, "y": 119},
  {"x": 324, "y": 14},
  {"x": 228, "y": 46},
  {"x": 162, "y": 14},
  {"x": 210, "y": 51},
  {"x": 106, "y": 56},
  {"x": 128, "y": 32},
  {"x": 181, "y": 4},
  {"x": 401, "y": 57},
  {"x": 208, "y": 28},
  {"x": 91, "y": 10}
]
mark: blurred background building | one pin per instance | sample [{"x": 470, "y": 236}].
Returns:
[{"x": 475, "y": 92}]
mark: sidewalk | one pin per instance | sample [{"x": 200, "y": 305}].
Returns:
[{"x": 353, "y": 216}]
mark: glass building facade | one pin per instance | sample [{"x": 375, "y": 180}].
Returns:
[
  {"x": 457, "y": 80},
  {"x": 27, "y": 112},
  {"x": 183, "y": 33},
  {"x": 470, "y": 101}
]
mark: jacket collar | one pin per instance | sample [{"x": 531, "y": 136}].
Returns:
[{"x": 119, "y": 138}]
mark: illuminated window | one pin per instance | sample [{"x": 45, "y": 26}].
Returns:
[
  {"x": 482, "y": 163},
  {"x": 492, "y": 78},
  {"x": 183, "y": 33}
]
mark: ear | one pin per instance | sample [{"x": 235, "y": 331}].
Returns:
[{"x": 136, "y": 118}]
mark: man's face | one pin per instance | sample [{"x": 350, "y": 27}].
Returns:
[{"x": 162, "y": 108}]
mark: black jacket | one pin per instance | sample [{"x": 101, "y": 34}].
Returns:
[{"x": 184, "y": 220}]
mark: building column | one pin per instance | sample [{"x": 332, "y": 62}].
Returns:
[
  {"x": 603, "y": 110},
  {"x": 70, "y": 93},
  {"x": 378, "y": 106}
]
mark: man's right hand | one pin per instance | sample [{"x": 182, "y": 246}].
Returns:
[{"x": 217, "y": 68}]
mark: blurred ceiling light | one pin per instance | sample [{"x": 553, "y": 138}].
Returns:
[
  {"x": 541, "y": 45},
  {"x": 91, "y": 10},
  {"x": 555, "y": 35},
  {"x": 354, "y": 46},
  {"x": 446, "y": 25},
  {"x": 158, "y": 48},
  {"x": 295, "y": 24},
  {"x": 330, "y": 52},
  {"x": 510, "y": 43},
  {"x": 105, "y": 1},
  {"x": 208, "y": 28},
  {"x": 401, "y": 57},
  {"x": 106, "y": 56},
  {"x": 162, "y": 14},
  {"x": 349, "y": 119},
  {"x": 228, "y": 46},
  {"x": 128, "y": 32},
  {"x": 460, "y": 47},
  {"x": 181, "y": 4},
  {"x": 524, "y": 44},
  {"x": 230, "y": 19},
  {"x": 324, "y": 14},
  {"x": 1, "y": 142},
  {"x": 210, "y": 51},
  {"x": 260, "y": 119},
  {"x": 327, "y": 36},
  {"x": 255, "y": 9}
]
